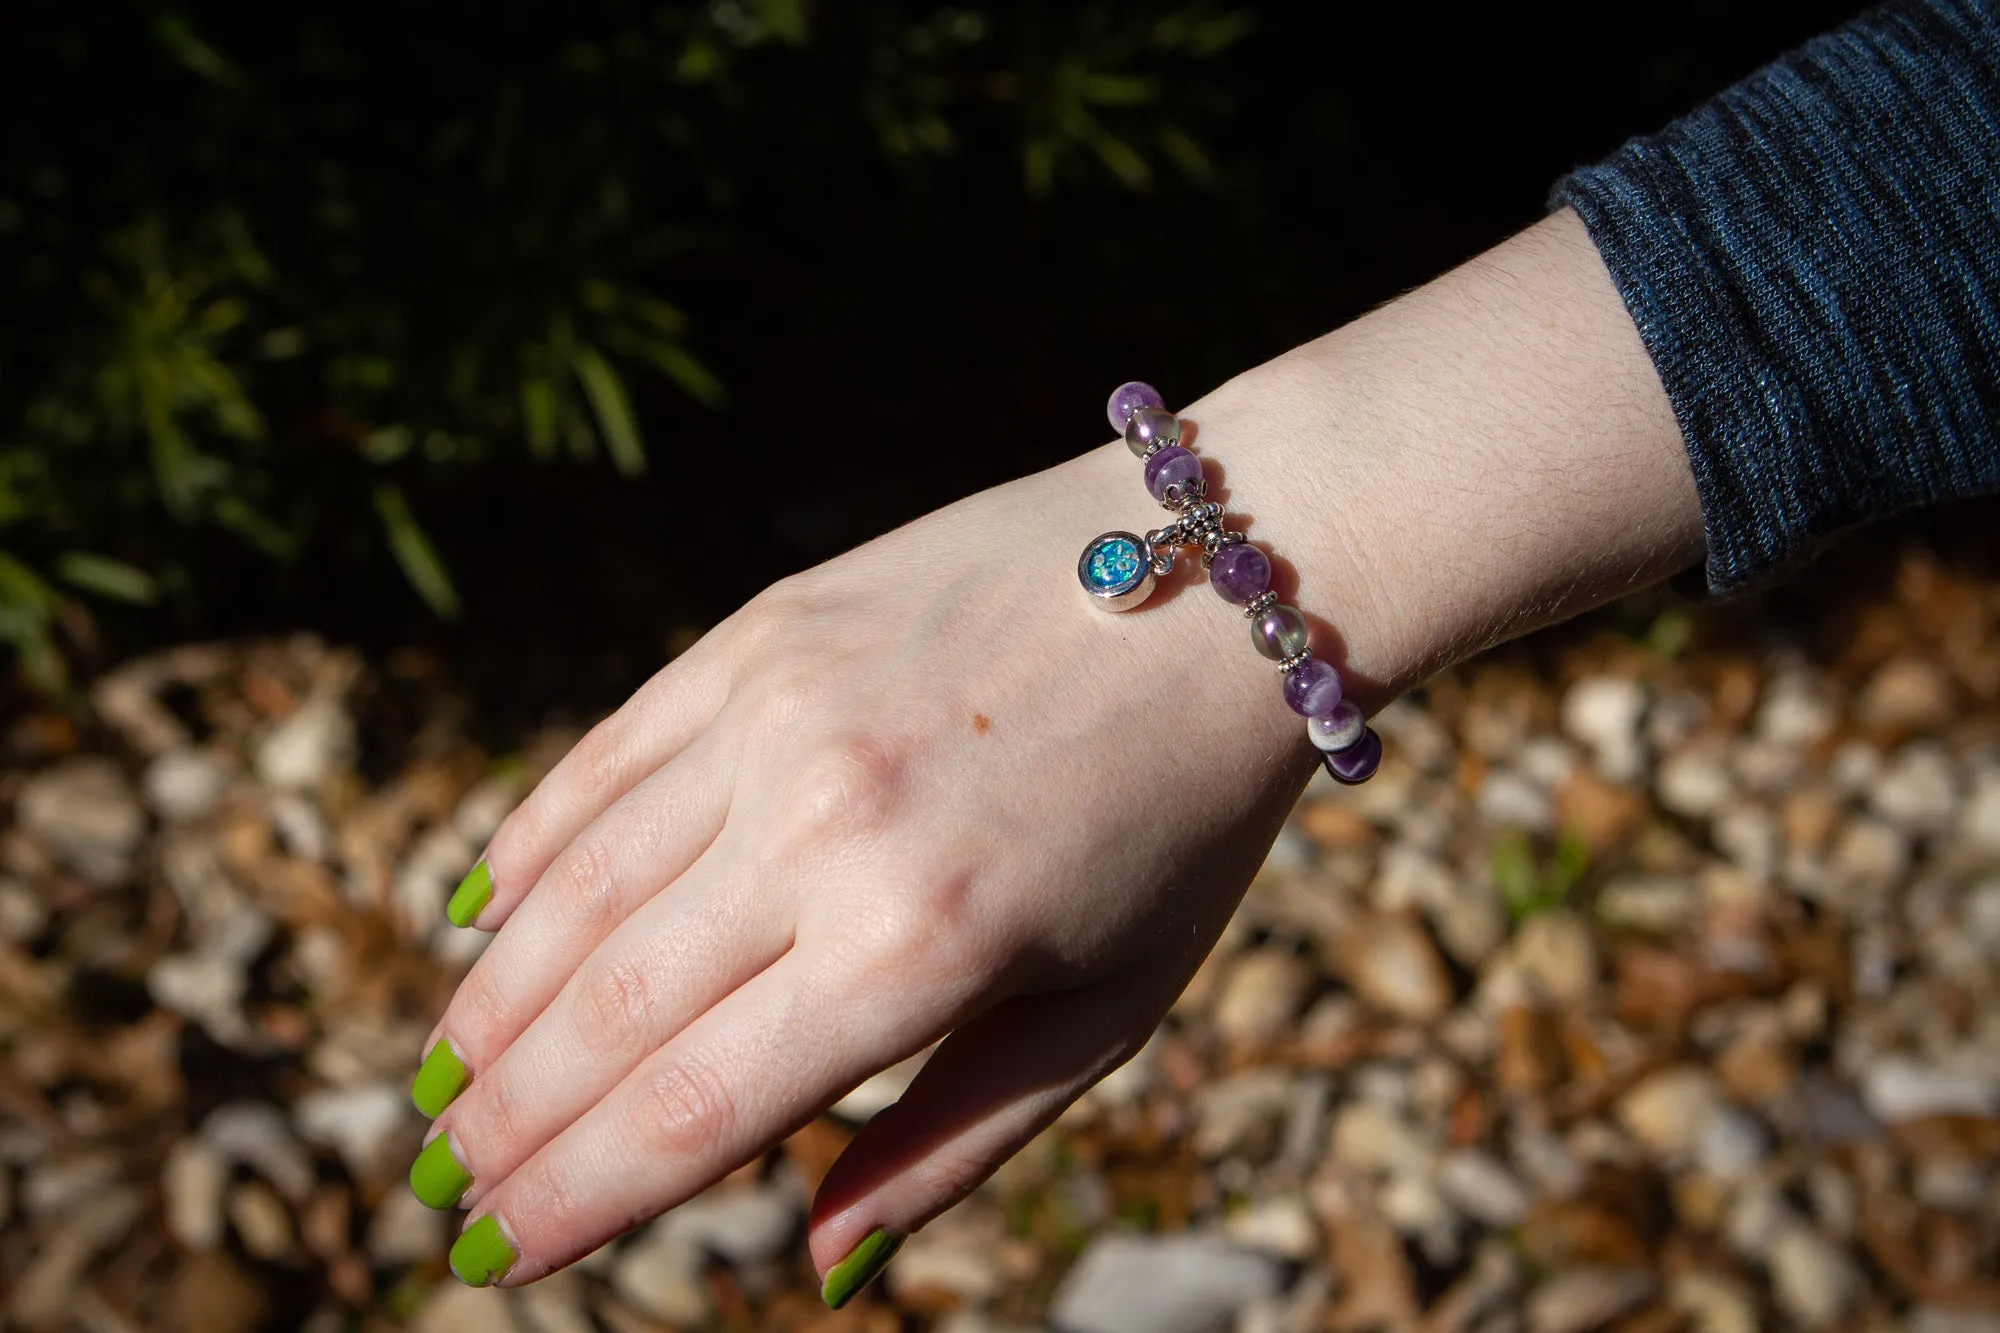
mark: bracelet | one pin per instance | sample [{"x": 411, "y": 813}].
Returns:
[{"x": 1118, "y": 570}]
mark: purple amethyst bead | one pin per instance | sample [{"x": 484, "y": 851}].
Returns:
[
  {"x": 1358, "y": 762},
  {"x": 1170, "y": 467},
  {"x": 1129, "y": 398},
  {"x": 1312, "y": 688},
  {"x": 1150, "y": 428},
  {"x": 1238, "y": 573},
  {"x": 1339, "y": 730}
]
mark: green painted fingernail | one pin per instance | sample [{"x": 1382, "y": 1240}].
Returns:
[
  {"x": 481, "y": 1255},
  {"x": 858, "y": 1269},
  {"x": 436, "y": 1177},
  {"x": 439, "y": 1081},
  {"x": 469, "y": 899}
]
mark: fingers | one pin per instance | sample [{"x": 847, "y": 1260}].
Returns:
[
  {"x": 991, "y": 1087},
  {"x": 623, "y": 859},
  {"x": 661, "y": 719},
  {"x": 672, "y": 960},
  {"x": 741, "y": 1077}
]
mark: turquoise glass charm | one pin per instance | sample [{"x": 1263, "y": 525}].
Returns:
[{"x": 1116, "y": 570}]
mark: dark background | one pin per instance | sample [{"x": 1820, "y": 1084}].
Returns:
[{"x": 891, "y": 328}]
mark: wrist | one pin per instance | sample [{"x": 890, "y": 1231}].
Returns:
[{"x": 1490, "y": 453}]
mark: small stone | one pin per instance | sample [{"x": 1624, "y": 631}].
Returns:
[
  {"x": 1555, "y": 952},
  {"x": 1933, "y": 1319},
  {"x": 1604, "y": 713},
  {"x": 302, "y": 830},
  {"x": 1979, "y": 822},
  {"x": 742, "y": 1227},
  {"x": 1263, "y": 993},
  {"x": 879, "y": 1092},
  {"x": 1757, "y": 1218},
  {"x": 453, "y": 1308},
  {"x": 1750, "y": 837},
  {"x": 1669, "y": 1110},
  {"x": 555, "y": 1304},
  {"x": 1908, "y": 694},
  {"x": 1585, "y": 1298},
  {"x": 258, "y": 1136},
  {"x": 1732, "y": 1144},
  {"x": 1694, "y": 782},
  {"x": 85, "y": 812},
  {"x": 1240, "y": 1115},
  {"x": 1509, "y": 800},
  {"x": 1482, "y": 1188},
  {"x": 1414, "y": 1206},
  {"x": 204, "y": 987},
  {"x": 54, "y": 1189},
  {"x": 261, "y": 1220},
  {"x": 186, "y": 784},
  {"x": 662, "y": 1277},
  {"x": 1796, "y": 712},
  {"x": 1161, "y": 1284},
  {"x": 1714, "y": 1303},
  {"x": 364, "y": 1124},
  {"x": 1950, "y": 1183},
  {"x": 303, "y": 751},
  {"x": 1650, "y": 904},
  {"x": 23, "y": 915},
  {"x": 1899, "y": 1088},
  {"x": 1371, "y": 1138},
  {"x": 1870, "y": 854},
  {"x": 192, "y": 1181},
  {"x": 1918, "y": 791},
  {"x": 405, "y": 1231},
  {"x": 1814, "y": 1279},
  {"x": 1281, "y": 1225},
  {"x": 943, "y": 1267},
  {"x": 1392, "y": 965}
]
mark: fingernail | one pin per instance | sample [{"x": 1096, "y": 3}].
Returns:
[
  {"x": 436, "y": 1176},
  {"x": 860, "y": 1268},
  {"x": 481, "y": 1255},
  {"x": 469, "y": 899},
  {"x": 439, "y": 1080}
]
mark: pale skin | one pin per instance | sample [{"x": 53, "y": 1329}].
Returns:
[{"x": 926, "y": 791}]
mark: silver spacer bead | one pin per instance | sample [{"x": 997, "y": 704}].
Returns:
[
  {"x": 1291, "y": 664},
  {"x": 1262, "y": 602}
]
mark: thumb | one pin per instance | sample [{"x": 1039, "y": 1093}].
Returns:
[{"x": 989, "y": 1088}]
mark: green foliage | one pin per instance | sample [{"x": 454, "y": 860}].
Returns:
[
  {"x": 1528, "y": 883},
  {"x": 333, "y": 257}
]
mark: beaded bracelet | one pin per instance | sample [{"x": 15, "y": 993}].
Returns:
[{"x": 1118, "y": 570}]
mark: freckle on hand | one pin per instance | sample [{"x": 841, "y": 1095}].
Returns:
[{"x": 981, "y": 723}]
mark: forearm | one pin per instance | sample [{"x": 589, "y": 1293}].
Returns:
[{"x": 1489, "y": 453}]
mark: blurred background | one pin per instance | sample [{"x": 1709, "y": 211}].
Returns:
[{"x": 384, "y": 394}]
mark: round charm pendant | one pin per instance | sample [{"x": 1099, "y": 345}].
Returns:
[{"x": 1116, "y": 570}]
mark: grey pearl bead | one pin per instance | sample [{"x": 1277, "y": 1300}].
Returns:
[
  {"x": 1150, "y": 426},
  {"x": 1279, "y": 633}
]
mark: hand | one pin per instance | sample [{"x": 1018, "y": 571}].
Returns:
[{"x": 924, "y": 791}]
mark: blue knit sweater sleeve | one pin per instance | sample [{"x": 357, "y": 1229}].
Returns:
[{"x": 1813, "y": 261}]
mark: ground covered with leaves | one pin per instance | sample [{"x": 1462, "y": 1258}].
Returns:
[{"x": 1654, "y": 985}]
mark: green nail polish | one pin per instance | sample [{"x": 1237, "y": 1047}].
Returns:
[
  {"x": 481, "y": 1255},
  {"x": 860, "y": 1268},
  {"x": 436, "y": 1177},
  {"x": 469, "y": 899},
  {"x": 439, "y": 1081}
]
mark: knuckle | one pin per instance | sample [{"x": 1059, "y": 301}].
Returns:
[
  {"x": 596, "y": 761},
  {"x": 683, "y": 1109},
  {"x": 615, "y": 1004},
  {"x": 853, "y": 784},
  {"x": 950, "y": 1175},
  {"x": 587, "y": 887}
]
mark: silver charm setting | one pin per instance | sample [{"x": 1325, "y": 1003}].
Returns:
[{"x": 1117, "y": 570}]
